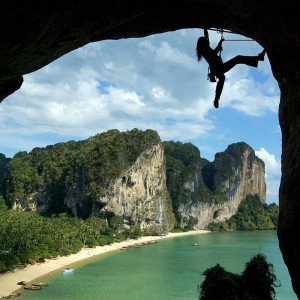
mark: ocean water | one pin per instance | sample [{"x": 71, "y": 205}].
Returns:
[{"x": 169, "y": 269}]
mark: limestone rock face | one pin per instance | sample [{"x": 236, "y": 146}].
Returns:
[
  {"x": 235, "y": 173},
  {"x": 140, "y": 194},
  {"x": 247, "y": 178},
  {"x": 28, "y": 203}
]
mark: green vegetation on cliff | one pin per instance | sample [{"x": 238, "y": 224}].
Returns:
[
  {"x": 252, "y": 215},
  {"x": 182, "y": 161},
  {"x": 225, "y": 163},
  {"x": 81, "y": 169},
  {"x": 3, "y": 173},
  {"x": 183, "y": 166}
]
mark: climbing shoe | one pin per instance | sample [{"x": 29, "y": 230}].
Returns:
[{"x": 216, "y": 103}]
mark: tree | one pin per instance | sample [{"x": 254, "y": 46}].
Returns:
[
  {"x": 219, "y": 284},
  {"x": 116, "y": 223},
  {"x": 257, "y": 281},
  {"x": 2, "y": 203}
]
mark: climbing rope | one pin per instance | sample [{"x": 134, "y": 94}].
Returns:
[
  {"x": 236, "y": 40},
  {"x": 221, "y": 31}
]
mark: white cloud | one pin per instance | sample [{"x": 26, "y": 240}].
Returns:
[
  {"x": 169, "y": 54},
  {"x": 155, "y": 82},
  {"x": 109, "y": 66},
  {"x": 161, "y": 95},
  {"x": 77, "y": 108},
  {"x": 273, "y": 166},
  {"x": 165, "y": 53},
  {"x": 273, "y": 172},
  {"x": 248, "y": 96},
  {"x": 99, "y": 87}
]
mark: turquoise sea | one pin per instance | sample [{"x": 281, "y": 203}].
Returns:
[{"x": 169, "y": 269}]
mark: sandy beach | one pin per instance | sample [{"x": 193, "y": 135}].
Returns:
[{"x": 8, "y": 281}]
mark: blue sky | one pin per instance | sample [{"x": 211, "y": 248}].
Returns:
[{"x": 153, "y": 82}]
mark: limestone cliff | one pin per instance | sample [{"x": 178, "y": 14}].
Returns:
[
  {"x": 133, "y": 175},
  {"x": 113, "y": 173},
  {"x": 140, "y": 194},
  {"x": 213, "y": 191}
]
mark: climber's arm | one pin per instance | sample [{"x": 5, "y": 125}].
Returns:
[
  {"x": 206, "y": 34},
  {"x": 219, "y": 46}
]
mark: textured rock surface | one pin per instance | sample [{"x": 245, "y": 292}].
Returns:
[
  {"x": 247, "y": 174},
  {"x": 140, "y": 193},
  {"x": 28, "y": 203},
  {"x": 236, "y": 173},
  {"x": 112, "y": 173},
  {"x": 34, "y": 33}
]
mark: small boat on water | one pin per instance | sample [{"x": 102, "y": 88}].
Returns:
[
  {"x": 152, "y": 242},
  {"x": 41, "y": 284},
  {"x": 10, "y": 296},
  {"x": 67, "y": 270},
  {"x": 32, "y": 287},
  {"x": 194, "y": 244}
]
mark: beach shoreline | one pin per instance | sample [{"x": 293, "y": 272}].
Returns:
[{"x": 8, "y": 281}]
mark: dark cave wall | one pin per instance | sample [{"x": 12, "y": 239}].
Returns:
[
  {"x": 34, "y": 33},
  {"x": 289, "y": 217}
]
